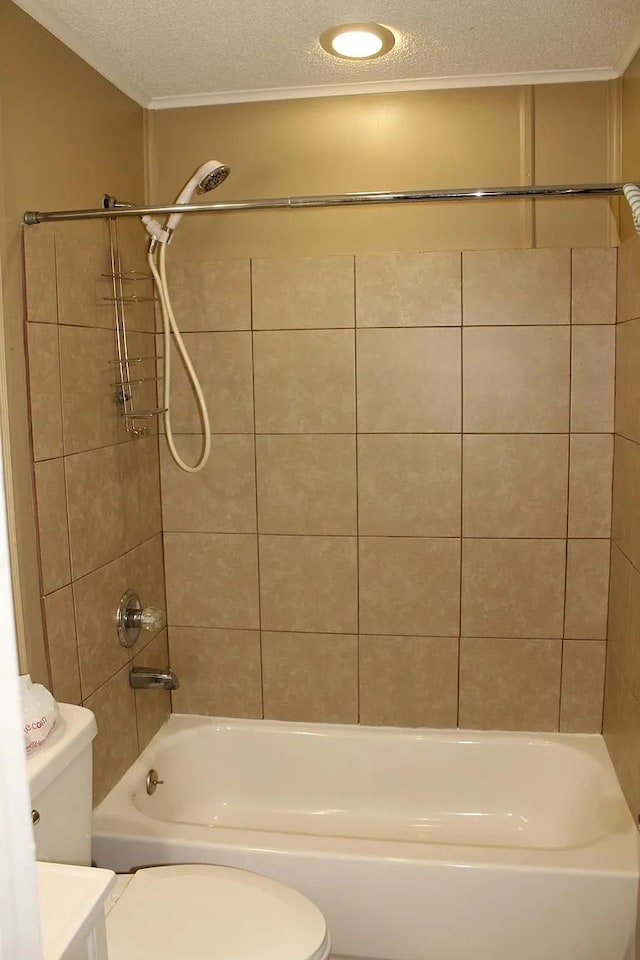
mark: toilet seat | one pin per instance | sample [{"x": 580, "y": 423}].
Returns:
[{"x": 205, "y": 912}]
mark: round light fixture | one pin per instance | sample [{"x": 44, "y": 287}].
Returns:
[{"x": 357, "y": 41}]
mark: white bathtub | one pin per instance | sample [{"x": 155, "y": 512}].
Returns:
[{"x": 415, "y": 844}]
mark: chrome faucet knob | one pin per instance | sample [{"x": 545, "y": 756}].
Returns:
[
  {"x": 151, "y": 618},
  {"x": 131, "y": 618}
]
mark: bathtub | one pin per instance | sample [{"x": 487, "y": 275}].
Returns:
[{"x": 415, "y": 844}]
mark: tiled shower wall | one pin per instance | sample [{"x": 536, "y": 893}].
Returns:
[
  {"x": 97, "y": 491},
  {"x": 406, "y": 514}
]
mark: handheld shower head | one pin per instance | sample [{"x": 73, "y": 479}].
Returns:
[{"x": 210, "y": 175}]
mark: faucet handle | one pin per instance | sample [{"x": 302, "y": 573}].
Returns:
[{"x": 152, "y": 618}]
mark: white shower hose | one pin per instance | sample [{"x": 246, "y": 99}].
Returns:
[
  {"x": 170, "y": 326},
  {"x": 632, "y": 193}
]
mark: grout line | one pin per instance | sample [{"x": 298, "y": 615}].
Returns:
[
  {"x": 566, "y": 551},
  {"x": 461, "y": 481},
  {"x": 350, "y": 633},
  {"x": 357, "y": 479},
  {"x": 255, "y": 481}
]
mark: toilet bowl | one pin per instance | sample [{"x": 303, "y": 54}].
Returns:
[{"x": 177, "y": 912}]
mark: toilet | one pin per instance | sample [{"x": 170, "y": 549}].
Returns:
[{"x": 178, "y": 912}]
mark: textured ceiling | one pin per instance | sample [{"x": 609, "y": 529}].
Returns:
[{"x": 173, "y": 52}]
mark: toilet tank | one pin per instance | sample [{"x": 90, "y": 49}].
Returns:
[{"x": 60, "y": 785}]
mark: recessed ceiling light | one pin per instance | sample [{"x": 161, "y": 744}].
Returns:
[{"x": 357, "y": 41}]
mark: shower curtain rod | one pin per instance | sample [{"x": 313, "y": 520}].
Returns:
[{"x": 116, "y": 209}]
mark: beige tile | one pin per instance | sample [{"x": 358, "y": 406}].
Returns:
[
  {"x": 593, "y": 289},
  {"x": 305, "y": 292},
  {"x": 627, "y": 386},
  {"x": 222, "y": 362},
  {"x": 621, "y": 728},
  {"x": 409, "y": 485},
  {"x": 516, "y": 380},
  {"x": 310, "y": 677},
  {"x": 219, "y": 672},
  {"x": 508, "y": 684},
  {"x": 409, "y": 681},
  {"x": 40, "y": 274},
  {"x": 513, "y": 588},
  {"x": 137, "y": 281},
  {"x": 410, "y": 586},
  {"x": 116, "y": 745},
  {"x": 515, "y": 486},
  {"x": 592, "y": 379},
  {"x": 408, "y": 290},
  {"x": 587, "y": 589},
  {"x": 44, "y": 390},
  {"x": 618, "y": 629},
  {"x": 96, "y": 599},
  {"x": 52, "y": 524},
  {"x": 582, "y": 686},
  {"x": 212, "y": 580},
  {"x": 625, "y": 522},
  {"x": 628, "y": 280},
  {"x": 307, "y": 484},
  {"x": 625, "y": 647},
  {"x": 409, "y": 381},
  {"x": 91, "y": 415},
  {"x": 516, "y": 287},
  {"x": 62, "y": 646},
  {"x": 309, "y": 584},
  {"x": 153, "y": 707},
  {"x": 140, "y": 481},
  {"x": 81, "y": 260},
  {"x": 590, "y": 485},
  {"x": 221, "y": 498},
  {"x": 96, "y": 508},
  {"x": 145, "y": 575},
  {"x": 304, "y": 381},
  {"x": 211, "y": 294}
]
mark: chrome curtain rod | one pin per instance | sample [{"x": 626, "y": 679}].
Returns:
[{"x": 331, "y": 200}]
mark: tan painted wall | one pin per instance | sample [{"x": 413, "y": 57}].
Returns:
[
  {"x": 450, "y": 138},
  {"x": 66, "y": 137}
]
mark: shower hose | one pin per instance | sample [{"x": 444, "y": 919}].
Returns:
[{"x": 170, "y": 326}]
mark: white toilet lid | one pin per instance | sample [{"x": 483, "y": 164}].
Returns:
[{"x": 204, "y": 912}]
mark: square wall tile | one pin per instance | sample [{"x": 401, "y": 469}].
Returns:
[
  {"x": 513, "y": 588},
  {"x": 625, "y": 646},
  {"x": 223, "y": 364},
  {"x": 82, "y": 257},
  {"x": 221, "y": 498},
  {"x": 618, "y": 628},
  {"x": 582, "y": 686},
  {"x": 593, "y": 363},
  {"x": 625, "y": 522},
  {"x": 409, "y": 485},
  {"x": 96, "y": 509},
  {"x": 516, "y": 380},
  {"x": 307, "y": 484},
  {"x": 409, "y": 681},
  {"x": 116, "y": 745},
  {"x": 40, "y": 274},
  {"x": 628, "y": 279},
  {"x": 590, "y": 485},
  {"x": 302, "y": 293},
  {"x": 309, "y": 584},
  {"x": 96, "y": 599},
  {"x": 91, "y": 415},
  {"x": 140, "y": 482},
  {"x": 145, "y": 574},
  {"x": 509, "y": 684},
  {"x": 587, "y": 589},
  {"x": 53, "y": 531},
  {"x": 627, "y": 382},
  {"x": 503, "y": 287},
  {"x": 62, "y": 646},
  {"x": 593, "y": 290},
  {"x": 153, "y": 707},
  {"x": 408, "y": 381},
  {"x": 410, "y": 586},
  {"x": 212, "y": 580},
  {"x": 621, "y": 728},
  {"x": 310, "y": 677},
  {"x": 408, "y": 290},
  {"x": 211, "y": 294},
  {"x": 304, "y": 381},
  {"x": 219, "y": 672},
  {"x": 44, "y": 390},
  {"x": 515, "y": 486}
]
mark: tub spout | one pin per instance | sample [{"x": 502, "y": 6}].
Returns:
[{"x": 146, "y": 678}]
